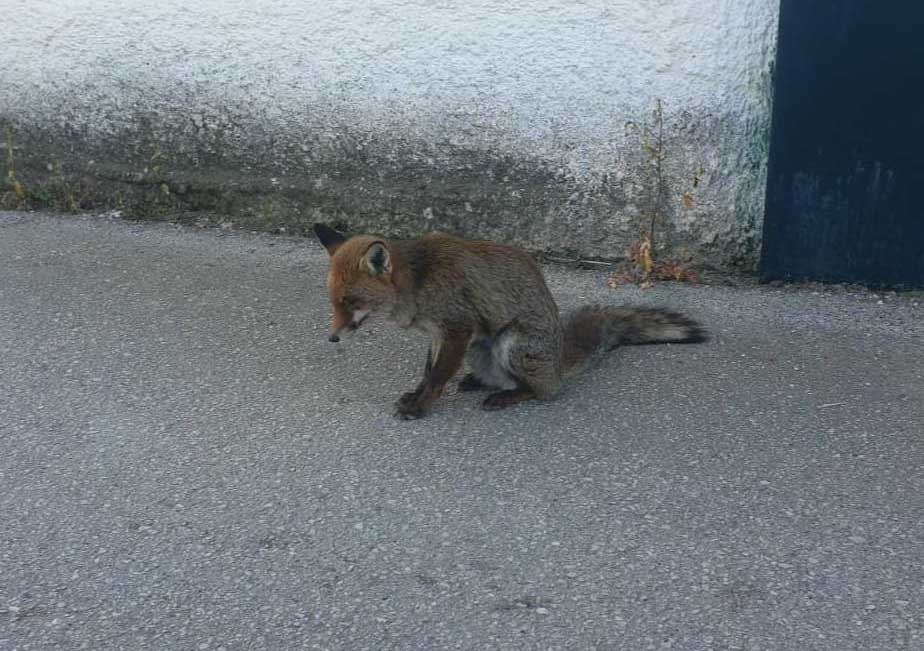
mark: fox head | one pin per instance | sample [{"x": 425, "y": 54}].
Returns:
[{"x": 359, "y": 280}]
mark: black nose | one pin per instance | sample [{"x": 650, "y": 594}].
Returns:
[{"x": 333, "y": 339}]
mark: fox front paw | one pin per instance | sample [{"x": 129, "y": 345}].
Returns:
[{"x": 410, "y": 406}]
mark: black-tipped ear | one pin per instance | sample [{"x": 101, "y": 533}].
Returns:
[
  {"x": 377, "y": 259},
  {"x": 330, "y": 238}
]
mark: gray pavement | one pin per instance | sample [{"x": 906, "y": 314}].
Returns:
[{"x": 187, "y": 463}]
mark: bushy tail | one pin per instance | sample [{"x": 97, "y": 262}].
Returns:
[{"x": 597, "y": 328}]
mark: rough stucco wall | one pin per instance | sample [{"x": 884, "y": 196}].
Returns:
[{"x": 477, "y": 117}]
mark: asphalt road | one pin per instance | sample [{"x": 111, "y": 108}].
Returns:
[{"x": 187, "y": 463}]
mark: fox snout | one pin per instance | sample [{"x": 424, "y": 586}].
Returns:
[{"x": 345, "y": 321}]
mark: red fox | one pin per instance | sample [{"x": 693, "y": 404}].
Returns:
[{"x": 483, "y": 302}]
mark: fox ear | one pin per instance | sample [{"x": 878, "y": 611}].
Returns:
[
  {"x": 330, "y": 238},
  {"x": 377, "y": 259}
]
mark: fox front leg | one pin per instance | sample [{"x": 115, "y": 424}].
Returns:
[
  {"x": 439, "y": 370},
  {"x": 407, "y": 399}
]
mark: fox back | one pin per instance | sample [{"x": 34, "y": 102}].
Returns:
[{"x": 434, "y": 281}]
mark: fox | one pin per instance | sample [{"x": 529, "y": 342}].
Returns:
[{"x": 485, "y": 304}]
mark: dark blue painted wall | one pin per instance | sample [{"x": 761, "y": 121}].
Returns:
[{"x": 845, "y": 193}]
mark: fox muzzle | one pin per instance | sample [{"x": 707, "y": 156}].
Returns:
[{"x": 355, "y": 321}]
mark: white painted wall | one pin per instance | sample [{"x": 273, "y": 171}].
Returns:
[{"x": 548, "y": 80}]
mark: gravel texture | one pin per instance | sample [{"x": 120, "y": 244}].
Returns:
[{"x": 187, "y": 463}]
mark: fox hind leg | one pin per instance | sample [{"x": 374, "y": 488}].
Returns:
[
  {"x": 470, "y": 382},
  {"x": 507, "y": 398},
  {"x": 483, "y": 370},
  {"x": 531, "y": 362}
]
